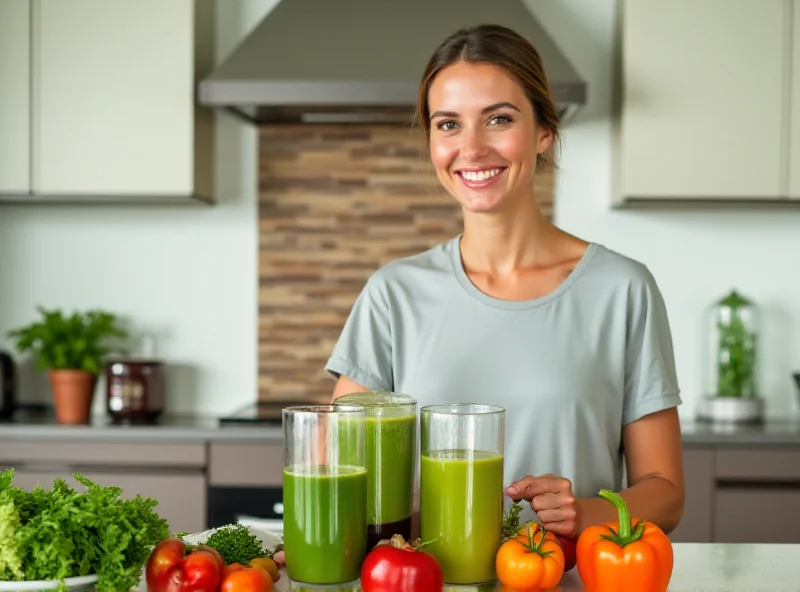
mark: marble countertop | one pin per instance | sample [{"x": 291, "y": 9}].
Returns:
[
  {"x": 173, "y": 428},
  {"x": 699, "y": 567}
]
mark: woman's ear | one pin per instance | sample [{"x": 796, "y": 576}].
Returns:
[{"x": 545, "y": 140}]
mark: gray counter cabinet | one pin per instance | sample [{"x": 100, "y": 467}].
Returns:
[
  {"x": 741, "y": 485},
  {"x": 172, "y": 474},
  {"x": 739, "y": 494}
]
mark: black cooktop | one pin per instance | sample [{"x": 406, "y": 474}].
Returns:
[{"x": 261, "y": 412}]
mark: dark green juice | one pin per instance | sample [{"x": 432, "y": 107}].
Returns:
[
  {"x": 391, "y": 425},
  {"x": 390, "y": 472},
  {"x": 324, "y": 524}
]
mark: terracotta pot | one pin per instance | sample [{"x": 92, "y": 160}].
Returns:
[{"x": 73, "y": 391}]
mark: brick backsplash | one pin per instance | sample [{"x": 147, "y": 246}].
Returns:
[{"x": 335, "y": 203}]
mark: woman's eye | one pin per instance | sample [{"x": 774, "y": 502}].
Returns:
[
  {"x": 446, "y": 126},
  {"x": 500, "y": 119}
]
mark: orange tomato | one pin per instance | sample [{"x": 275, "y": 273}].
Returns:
[
  {"x": 229, "y": 569},
  {"x": 531, "y": 562},
  {"x": 249, "y": 579}
]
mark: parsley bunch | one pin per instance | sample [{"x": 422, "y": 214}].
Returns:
[
  {"x": 61, "y": 533},
  {"x": 236, "y": 545}
]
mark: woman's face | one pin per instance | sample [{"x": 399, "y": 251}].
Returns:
[{"x": 484, "y": 139}]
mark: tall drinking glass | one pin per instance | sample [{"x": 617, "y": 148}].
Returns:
[
  {"x": 461, "y": 488},
  {"x": 390, "y": 452},
  {"x": 324, "y": 493}
]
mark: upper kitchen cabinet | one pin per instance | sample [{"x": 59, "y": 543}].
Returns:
[
  {"x": 794, "y": 145},
  {"x": 15, "y": 109},
  {"x": 113, "y": 113},
  {"x": 705, "y": 100}
]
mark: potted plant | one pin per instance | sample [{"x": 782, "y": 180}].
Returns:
[{"x": 71, "y": 349}]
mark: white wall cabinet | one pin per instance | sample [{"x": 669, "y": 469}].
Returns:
[
  {"x": 15, "y": 107},
  {"x": 112, "y": 100},
  {"x": 794, "y": 145},
  {"x": 705, "y": 101}
]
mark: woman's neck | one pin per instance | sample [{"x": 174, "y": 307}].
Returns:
[{"x": 503, "y": 242}]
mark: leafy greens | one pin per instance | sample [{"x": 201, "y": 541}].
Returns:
[{"x": 61, "y": 533}]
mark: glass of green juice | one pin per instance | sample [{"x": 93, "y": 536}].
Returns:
[
  {"x": 324, "y": 493},
  {"x": 461, "y": 488},
  {"x": 390, "y": 452}
]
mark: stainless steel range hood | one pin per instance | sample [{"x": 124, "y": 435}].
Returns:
[{"x": 361, "y": 60}]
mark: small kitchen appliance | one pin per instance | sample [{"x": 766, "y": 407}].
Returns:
[
  {"x": 8, "y": 386},
  {"x": 135, "y": 390}
]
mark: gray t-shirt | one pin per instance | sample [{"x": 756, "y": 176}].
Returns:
[{"x": 570, "y": 368}]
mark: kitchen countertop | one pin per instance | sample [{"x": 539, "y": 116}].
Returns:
[
  {"x": 699, "y": 567},
  {"x": 170, "y": 428}
]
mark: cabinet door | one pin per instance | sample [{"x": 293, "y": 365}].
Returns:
[
  {"x": 703, "y": 99},
  {"x": 181, "y": 497},
  {"x": 794, "y": 142},
  {"x": 695, "y": 524},
  {"x": 15, "y": 64},
  {"x": 114, "y": 86}
]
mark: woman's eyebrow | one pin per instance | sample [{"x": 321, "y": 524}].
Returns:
[{"x": 495, "y": 107}]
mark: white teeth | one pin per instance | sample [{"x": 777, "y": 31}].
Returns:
[{"x": 480, "y": 175}]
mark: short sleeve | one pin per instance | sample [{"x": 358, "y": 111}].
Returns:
[
  {"x": 651, "y": 382},
  {"x": 363, "y": 351}
]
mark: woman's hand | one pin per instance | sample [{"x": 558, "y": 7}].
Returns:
[{"x": 552, "y": 499}]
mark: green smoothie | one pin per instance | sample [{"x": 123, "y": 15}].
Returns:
[
  {"x": 391, "y": 425},
  {"x": 461, "y": 511},
  {"x": 390, "y": 465},
  {"x": 324, "y": 524}
]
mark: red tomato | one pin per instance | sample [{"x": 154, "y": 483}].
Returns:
[
  {"x": 249, "y": 579},
  {"x": 569, "y": 546},
  {"x": 169, "y": 569},
  {"x": 398, "y": 567}
]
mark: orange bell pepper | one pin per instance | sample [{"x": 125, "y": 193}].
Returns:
[{"x": 622, "y": 556}]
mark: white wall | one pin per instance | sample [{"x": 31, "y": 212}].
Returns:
[
  {"x": 696, "y": 257},
  {"x": 189, "y": 275}
]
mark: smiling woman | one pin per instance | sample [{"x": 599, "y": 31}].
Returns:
[{"x": 571, "y": 338}]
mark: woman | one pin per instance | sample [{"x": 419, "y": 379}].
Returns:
[{"x": 571, "y": 338}]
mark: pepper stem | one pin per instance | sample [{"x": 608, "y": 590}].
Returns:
[{"x": 627, "y": 532}]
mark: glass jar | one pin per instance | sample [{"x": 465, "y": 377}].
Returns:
[
  {"x": 324, "y": 493},
  {"x": 390, "y": 453},
  {"x": 461, "y": 488},
  {"x": 733, "y": 331}
]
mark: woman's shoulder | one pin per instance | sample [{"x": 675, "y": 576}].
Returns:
[
  {"x": 413, "y": 269},
  {"x": 613, "y": 267}
]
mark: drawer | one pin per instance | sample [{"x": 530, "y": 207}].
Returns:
[
  {"x": 757, "y": 464},
  {"x": 102, "y": 453},
  {"x": 245, "y": 464},
  {"x": 757, "y": 514}
]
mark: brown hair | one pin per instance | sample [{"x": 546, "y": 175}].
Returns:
[{"x": 501, "y": 46}]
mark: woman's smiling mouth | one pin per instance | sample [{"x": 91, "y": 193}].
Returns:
[{"x": 479, "y": 178}]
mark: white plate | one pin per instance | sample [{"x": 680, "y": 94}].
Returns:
[{"x": 72, "y": 584}]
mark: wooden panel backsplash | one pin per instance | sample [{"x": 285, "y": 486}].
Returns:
[{"x": 335, "y": 203}]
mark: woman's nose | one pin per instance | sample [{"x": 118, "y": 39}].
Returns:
[{"x": 474, "y": 144}]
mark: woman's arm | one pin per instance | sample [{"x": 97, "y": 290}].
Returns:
[
  {"x": 654, "y": 462},
  {"x": 345, "y": 386},
  {"x": 655, "y": 490}
]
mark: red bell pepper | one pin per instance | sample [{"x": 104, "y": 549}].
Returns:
[
  {"x": 398, "y": 566},
  {"x": 171, "y": 569}
]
